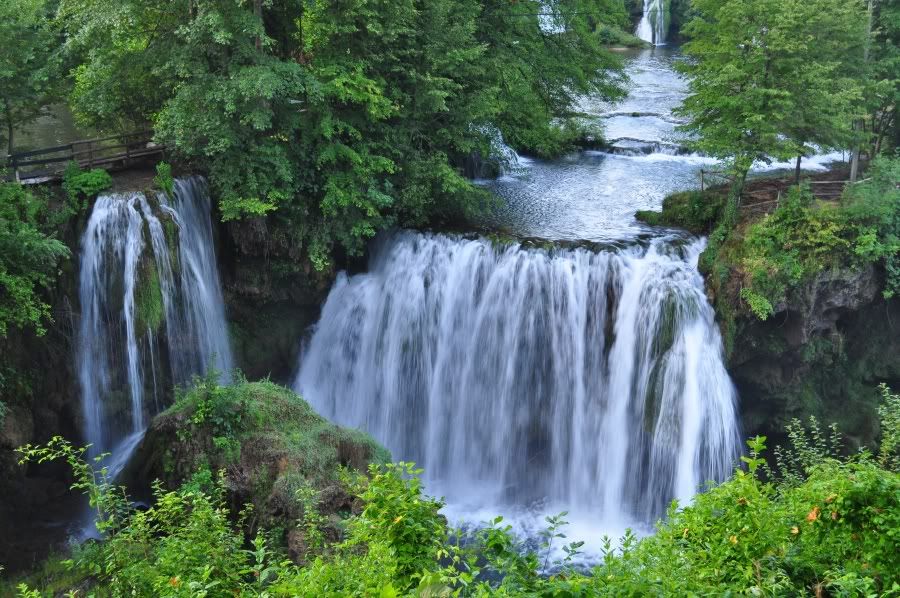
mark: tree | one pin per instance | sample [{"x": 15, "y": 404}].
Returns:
[
  {"x": 764, "y": 82},
  {"x": 345, "y": 116},
  {"x": 882, "y": 78},
  {"x": 29, "y": 64}
]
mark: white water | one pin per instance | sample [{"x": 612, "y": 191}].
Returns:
[
  {"x": 653, "y": 26},
  {"x": 116, "y": 358},
  {"x": 520, "y": 379}
]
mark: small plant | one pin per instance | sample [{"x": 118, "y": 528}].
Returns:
[{"x": 163, "y": 179}]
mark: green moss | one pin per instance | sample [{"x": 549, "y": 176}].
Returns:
[
  {"x": 170, "y": 230},
  {"x": 696, "y": 211},
  {"x": 148, "y": 299},
  {"x": 613, "y": 36},
  {"x": 263, "y": 423}
]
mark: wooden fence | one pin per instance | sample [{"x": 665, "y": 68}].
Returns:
[{"x": 117, "y": 151}]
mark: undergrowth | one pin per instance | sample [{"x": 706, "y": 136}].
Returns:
[{"x": 818, "y": 523}]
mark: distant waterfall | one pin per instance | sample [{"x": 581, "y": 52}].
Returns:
[
  {"x": 653, "y": 25},
  {"x": 148, "y": 279},
  {"x": 590, "y": 380}
]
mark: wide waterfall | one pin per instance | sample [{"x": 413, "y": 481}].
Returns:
[
  {"x": 653, "y": 26},
  {"x": 148, "y": 280},
  {"x": 589, "y": 380}
]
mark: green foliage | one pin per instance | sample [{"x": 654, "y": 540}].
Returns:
[
  {"x": 889, "y": 416},
  {"x": 164, "y": 179},
  {"x": 872, "y": 215},
  {"x": 28, "y": 260},
  {"x": 804, "y": 238},
  {"x": 148, "y": 299},
  {"x": 347, "y": 117},
  {"x": 768, "y": 77},
  {"x": 826, "y": 525},
  {"x": 248, "y": 411},
  {"x": 81, "y": 186}
]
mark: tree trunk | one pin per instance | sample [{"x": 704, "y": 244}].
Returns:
[
  {"x": 257, "y": 10},
  {"x": 854, "y": 161},
  {"x": 797, "y": 170},
  {"x": 10, "y": 130}
]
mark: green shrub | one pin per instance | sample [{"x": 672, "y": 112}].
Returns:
[
  {"x": 804, "y": 237},
  {"x": 82, "y": 185},
  {"x": 28, "y": 260}
]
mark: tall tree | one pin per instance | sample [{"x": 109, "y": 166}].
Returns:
[
  {"x": 764, "y": 81},
  {"x": 28, "y": 65}
]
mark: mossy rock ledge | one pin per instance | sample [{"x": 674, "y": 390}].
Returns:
[{"x": 268, "y": 442}]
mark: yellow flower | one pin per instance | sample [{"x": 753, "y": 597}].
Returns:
[{"x": 733, "y": 539}]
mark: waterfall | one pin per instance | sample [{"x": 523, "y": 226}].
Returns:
[
  {"x": 139, "y": 289},
  {"x": 592, "y": 380},
  {"x": 653, "y": 26}
]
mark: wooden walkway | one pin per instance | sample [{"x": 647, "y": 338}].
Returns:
[
  {"x": 763, "y": 195},
  {"x": 112, "y": 153}
]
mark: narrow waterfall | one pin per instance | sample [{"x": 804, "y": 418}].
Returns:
[
  {"x": 590, "y": 380},
  {"x": 148, "y": 279},
  {"x": 653, "y": 25}
]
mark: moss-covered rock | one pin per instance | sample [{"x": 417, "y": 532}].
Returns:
[
  {"x": 268, "y": 441},
  {"x": 695, "y": 211},
  {"x": 148, "y": 299}
]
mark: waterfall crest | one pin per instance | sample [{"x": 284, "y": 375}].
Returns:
[
  {"x": 653, "y": 26},
  {"x": 590, "y": 380},
  {"x": 148, "y": 279}
]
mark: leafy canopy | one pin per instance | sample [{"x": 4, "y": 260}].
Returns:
[{"x": 346, "y": 116}]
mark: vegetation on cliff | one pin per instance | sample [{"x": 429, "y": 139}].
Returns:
[
  {"x": 28, "y": 259},
  {"x": 805, "y": 297},
  {"x": 816, "y": 523}
]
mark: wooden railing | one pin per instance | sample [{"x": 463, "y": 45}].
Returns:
[{"x": 110, "y": 152}]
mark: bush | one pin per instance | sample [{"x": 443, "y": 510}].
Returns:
[
  {"x": 823, "y": 526},
  {"x": 804, "y": 237},
  {"x": 28, "y": 259}
]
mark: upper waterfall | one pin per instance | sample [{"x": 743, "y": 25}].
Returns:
[
  {"x": 152, "y": 312},
  {"x": 594, "y": 381},
  {"x": 653, "y": 26}
]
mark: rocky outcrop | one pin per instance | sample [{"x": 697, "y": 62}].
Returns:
[
  {"x": 823, "y": 352},
  {"x": 271, "y": 446}
]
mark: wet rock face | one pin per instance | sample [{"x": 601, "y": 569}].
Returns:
[
  {"x": 40, "y": 393},
  {"x": 273, "y": 295},
  {"x": 818, "y": 306},
  {"x": 823, "y": 352}
]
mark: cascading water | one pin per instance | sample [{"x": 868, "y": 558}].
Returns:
[
  {"x": 136, "y": 288},
  {"x": 590, "y": 380},
  {"x": 653, "y": 26}
]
